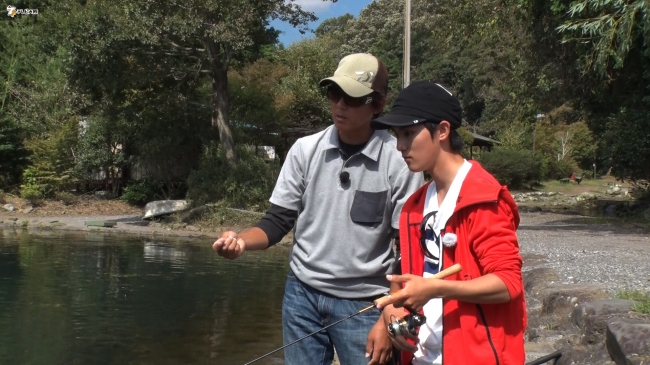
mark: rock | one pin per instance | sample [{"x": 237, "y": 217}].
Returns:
[
  {"x": 628, "y": 341},
  {"x": 162, "y": 207},
  {"x": 592, "y": 317},
  {"x": 193, "y": 228},
  {"x": 27, "y": 210},
  {"x": 538, "y": 278},
  {"x": 563, "y": 298},
  {"x": 535, "y": 350},
  {"x": 9, "y": 207},
  {"x": 586, "y": 196}
]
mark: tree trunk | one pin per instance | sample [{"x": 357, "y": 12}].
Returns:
[{"x": 220, "y": 102}]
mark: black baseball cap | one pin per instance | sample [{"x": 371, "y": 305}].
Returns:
[{"x": 422, "y": 101}]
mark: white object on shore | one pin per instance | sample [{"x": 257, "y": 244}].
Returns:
[{"x": 162, "y": 207}]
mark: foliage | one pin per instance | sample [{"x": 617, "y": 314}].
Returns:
[
  {"x": 514, "y": 168},
  {"x": 140, "y": 192},
  {"x": 559, "y": 169},
  {"x": 641, "y": 299},
  {"x": 628, "y": 139},
  {"x": 52, "y": 161},
  {"x": 611, "y": 27},
  {"x": 65, "y": 197},
  {"x": 13, "y": 154},
  {"x": 33, "y": 188},
  {"x": 248, "y": 184}
]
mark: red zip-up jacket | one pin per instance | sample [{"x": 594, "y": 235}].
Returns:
[{"x": 485, "y": 220}]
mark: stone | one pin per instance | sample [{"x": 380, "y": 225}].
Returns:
[
  {"x": 628, "y": 341},
  {"x": 592, "y": 317},
  {"x": 538, "y": 278},
  {"x": 586, "y": 196},
  {"x": 560, "y": 298},
  {"x": 9, "y": 207}
]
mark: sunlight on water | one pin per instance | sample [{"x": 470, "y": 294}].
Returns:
[{"x": 103, "y": 299}]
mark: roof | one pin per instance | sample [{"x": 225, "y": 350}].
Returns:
[{"x": 483, "y": 141}]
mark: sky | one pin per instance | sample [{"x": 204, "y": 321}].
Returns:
[{"x": 323, "y": 10}]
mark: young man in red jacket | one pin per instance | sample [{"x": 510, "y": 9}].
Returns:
[{"x": 464, "y": 216}]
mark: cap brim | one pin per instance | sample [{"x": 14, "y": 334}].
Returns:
[
  {"x": 395, "y": 120},
  {"x": 349, "y": 86}
]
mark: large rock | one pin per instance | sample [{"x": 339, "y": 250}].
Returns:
[
  {"x": 538, "y": 278},
  {"x": 162, "y": 207},
  {"x": 564, "y": 298},
  {"x": 592, "y": 317},
  {"x": 628, "y": 341}
]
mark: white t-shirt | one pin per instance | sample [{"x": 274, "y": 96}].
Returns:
[{"x": 430, "y": 348}]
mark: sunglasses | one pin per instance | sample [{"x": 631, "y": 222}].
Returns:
[
  {"x": 423, "y": 235},
  {"x": 335, "y": 94}
]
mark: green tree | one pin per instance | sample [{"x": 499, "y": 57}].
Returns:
[
  {"x": 209, "y": 35},
  {"x": 13, "y": 154}
]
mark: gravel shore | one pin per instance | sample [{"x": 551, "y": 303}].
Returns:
[{"x": 580, "y": 252}]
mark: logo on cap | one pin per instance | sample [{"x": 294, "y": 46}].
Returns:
[{"x": 365, "y": 76}]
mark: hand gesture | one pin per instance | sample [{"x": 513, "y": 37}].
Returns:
[{"x": 229, "y": 245}]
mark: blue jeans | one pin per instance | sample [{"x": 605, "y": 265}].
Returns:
[{"x": 306, "y": 310}]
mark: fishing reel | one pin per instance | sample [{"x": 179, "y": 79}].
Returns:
[{"x": 407, "y": 325}]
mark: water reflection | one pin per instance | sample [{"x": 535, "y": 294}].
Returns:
[
  {"x": 160, "y": 252},
  {"x": 95, "y": 299}
]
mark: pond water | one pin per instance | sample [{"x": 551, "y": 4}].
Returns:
[{"x": 103, "y": 299}]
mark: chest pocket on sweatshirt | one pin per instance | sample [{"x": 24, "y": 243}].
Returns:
[{"x": 368, "y": 207}]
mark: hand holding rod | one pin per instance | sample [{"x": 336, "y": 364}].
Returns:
[{"x": 456, "y": 268}]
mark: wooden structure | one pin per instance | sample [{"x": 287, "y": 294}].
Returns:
[{"x": 481, "y": 142}]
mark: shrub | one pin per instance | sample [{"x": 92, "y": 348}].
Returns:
[
  {"x": 32, "y": 194},
  {"x": 560, "y": 169},
  {"x": 13, "y": 155},
  {"x": 515, "y": 168},
  {"x": 65, "y": 197},
  {"x": 33, "y": 189},
  {"x": 140, "y": 192},
  {"x": 248, "y": 184}
]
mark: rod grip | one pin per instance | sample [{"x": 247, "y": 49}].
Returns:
[{"x": 451, "y": 270}]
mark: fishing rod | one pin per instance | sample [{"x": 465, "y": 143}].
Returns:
[{"x": 441, "y": 275}]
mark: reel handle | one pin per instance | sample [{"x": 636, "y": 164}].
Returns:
[{"x": 454, "y": 269}]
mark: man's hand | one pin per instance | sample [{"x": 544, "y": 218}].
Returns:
[
  {"x": 378, "y": 347},
  {"x": 391, "y": 314},
  {"x": 229, "y": 245}
]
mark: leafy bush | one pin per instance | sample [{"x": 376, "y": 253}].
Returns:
[
  {"x": 13, "y": 155},
  {"x": 65, "y": 197},
  {"x": 248, "y": 184},
  {"x": 515, "y": 168},
  {"x": 628, "y": 140},
  {"x": 140, "y": 192},
  {"x": 52, "y": 161},
  {"x": 560, "y": 169},
  {"x": 33, "y": 188}
]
